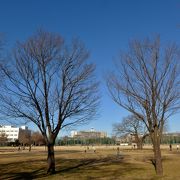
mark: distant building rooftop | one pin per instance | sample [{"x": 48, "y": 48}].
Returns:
[{"x": 88, "y": 134}]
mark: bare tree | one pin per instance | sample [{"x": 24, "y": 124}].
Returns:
[
  {"x": 3, "y": 139},
  {"x": 147, "y": 84},
  {"x": 24, "y": 137},
  {"x": 131, "y": 125},
  {"x": 50, "y": 84},
  {"x": 37, "y": 138}
]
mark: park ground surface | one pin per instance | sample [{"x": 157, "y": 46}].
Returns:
[{"x": 73, "y": 163}]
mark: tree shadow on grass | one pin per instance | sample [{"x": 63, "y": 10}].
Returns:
[
  {"x": 91, "y": 162},
  {"x": 88, "y": 167},
  {"x": 26, "y": 175},
  {"x": 22, "y": 170},
  {"x": 98, "y": 168}
]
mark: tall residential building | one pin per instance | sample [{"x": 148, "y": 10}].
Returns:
[{"x": 13, "y": 132}]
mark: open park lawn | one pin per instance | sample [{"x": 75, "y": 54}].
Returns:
[{"x": 74, "y": 163}]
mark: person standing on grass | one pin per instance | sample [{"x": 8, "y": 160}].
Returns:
[
  {"x": 170, "y": 147},
  {"x": 94, "y": 149},
  {"x": 29, "y": 147},
  {"x": 117, "y": 151},
  {"x": 134, "y": 146}
]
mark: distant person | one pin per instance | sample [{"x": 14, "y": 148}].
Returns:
[
  {"x": 85, "y": 150},
  {"x": 94, "y": 149},
  {"x": 118, "y": 151},
  {"x": 170, "y": 147},
  {"x": 29, "y": 148},
  {"x": 134, "y": 146},
  {"x": 177, "y": 147}
]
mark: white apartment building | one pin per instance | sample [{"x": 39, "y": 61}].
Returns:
[{"x": 12, "y": 132}]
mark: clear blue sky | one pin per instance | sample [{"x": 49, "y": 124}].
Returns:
[{"x": 105, "y": 26}]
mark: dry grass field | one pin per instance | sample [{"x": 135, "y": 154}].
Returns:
[{"x": 73, "y": 163}]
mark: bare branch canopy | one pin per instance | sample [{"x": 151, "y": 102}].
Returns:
[
  {"x": 50, "y": 84},
  {"x": 147, "y": 84}
]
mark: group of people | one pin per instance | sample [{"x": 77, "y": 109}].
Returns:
[
  {"x": 93, "y": 148},
  {"x": 23, "y": 148},
  {"x": 170, "y": 147}
]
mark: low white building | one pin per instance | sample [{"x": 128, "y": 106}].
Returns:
[{"x": 12, "y": 132}]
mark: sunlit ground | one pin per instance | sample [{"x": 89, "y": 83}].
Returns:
[{"x": 74, "y": 163}]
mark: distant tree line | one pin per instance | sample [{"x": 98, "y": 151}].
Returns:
[
  {"x": 3, "y": 139},
  {"x": 25, "y": 139},
  {"x": 166, "y": 139},
  {"x": 90, "y": 141}
]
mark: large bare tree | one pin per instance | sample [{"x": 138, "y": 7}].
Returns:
[
  {"x": 131, "y": 125},
  {"x": 147, "y": 84},
  {"x": 50, "y": 84}
]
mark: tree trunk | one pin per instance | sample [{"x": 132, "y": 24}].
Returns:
[
  {"x": 51, "y": 159},
  {"x": 139, "y": 145},
  {"x": 157, "y": 162},
  {"x": 139, "y": 142}
]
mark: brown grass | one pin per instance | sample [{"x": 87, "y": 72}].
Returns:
[{"x": 73, "y": 163}]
